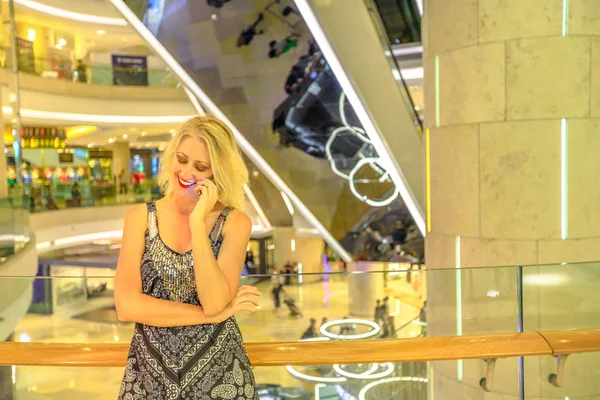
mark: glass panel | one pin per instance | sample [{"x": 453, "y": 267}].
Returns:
[
  {"x": 14, "y": 229},
  {"x": 78, "y": 298},
  {"x": 373, "y": 381},
  {"x": 557, "y": 297}
]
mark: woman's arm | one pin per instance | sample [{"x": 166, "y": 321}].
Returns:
[
  {"x": 134, "y": 306},
  {"x": 217, "y": 279}
]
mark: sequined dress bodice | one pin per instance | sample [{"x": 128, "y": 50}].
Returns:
[{"x": 201, "y": 362}]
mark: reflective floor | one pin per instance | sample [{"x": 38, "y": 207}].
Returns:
[{"x": 316, "y": 300}]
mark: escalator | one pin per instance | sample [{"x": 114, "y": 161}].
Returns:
[{"x": 262, "y": 66}]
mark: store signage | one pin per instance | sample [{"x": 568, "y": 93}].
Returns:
[
  {"x": 43, "y": 138},
  {"x": 130, "y": 70}
]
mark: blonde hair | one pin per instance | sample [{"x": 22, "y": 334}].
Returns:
[{"x": 229, "y": 170}]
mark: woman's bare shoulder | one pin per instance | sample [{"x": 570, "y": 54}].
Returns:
[
  {"x": 136, "y": 214},
  {"x": 239, "y": 219}
]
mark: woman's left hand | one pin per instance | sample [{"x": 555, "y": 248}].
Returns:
[{"x": 208, "y": 196}]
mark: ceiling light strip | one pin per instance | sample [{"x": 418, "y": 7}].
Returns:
[
  {"x": 59, "y": 12},
  {"x": 99, "y": 119},
  {"x": 459, "y": 316},
  {"x": 194, "y": 101},
  {"x": 361, "y": 111},
  {"x": 261, "y": 214},
  {"x": 400, "y": 51},
  {"x": 564, "y": 188},
  {"x": 244, "y": 144}
]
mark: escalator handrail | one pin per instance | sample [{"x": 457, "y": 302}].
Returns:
[{"x": 551, "y": 343}]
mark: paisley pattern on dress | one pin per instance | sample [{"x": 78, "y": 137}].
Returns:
[{"x": 198, "y": 362}]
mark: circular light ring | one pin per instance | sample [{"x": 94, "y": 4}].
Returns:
[
  {"x": 361, "y": 132},
  {"x": 369, "y": 374},
  {"x": 337, "y": 368},
  {"x": 366, "y": 388},
  {"x": 311, "y": 378},
  {"x": 365, "y": 199},
  {"x": 374, "y": 332},
  {"x": 328, "y": 152}
]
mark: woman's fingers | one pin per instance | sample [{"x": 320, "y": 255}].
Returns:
[
  {"x": 247, "y": 297},
  {"x": 242, "y": 290}
]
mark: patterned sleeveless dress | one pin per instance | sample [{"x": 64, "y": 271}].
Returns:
[{"x": 198, "y": 362}]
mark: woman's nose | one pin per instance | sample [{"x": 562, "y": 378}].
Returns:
[{"x": 189, "y": 173}]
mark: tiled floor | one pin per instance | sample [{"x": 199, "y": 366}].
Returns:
[{"x": 317, "y": 300}]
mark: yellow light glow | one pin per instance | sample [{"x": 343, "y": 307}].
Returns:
[
  {"x": 428, "y": 179},
  {"x": 76, "y": 131}
]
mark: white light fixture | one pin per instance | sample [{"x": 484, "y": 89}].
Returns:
[
  {"x": 366, "y": 388},
  {"x": 287, "y": 202},
  {"x": 214, "y": 17},
  {"x": 143, "y": 133},
  {"x": 373, "y": 332},
  {"x": 370, "y": 374},
  {"x": 97, "y": 118},
  {"x": 90, "y": 145},
  {"x": 125, "y": 136},
  {"x": 59, "y": 12},
  {"x": 111, "y": 140},
  {"x": 194, "y": 101},
  {"x": 406, "y": 50},
  {"x": 89, "y": 237},
  {"x": 31, "y": 33},
  {"x": 243, "y": 143},
  {"x": 261, "y": 214},
  {"x": 362, "y": 114},
  {"x": 293, "y": 244},
  {"x": 312, "y": 378},
  {"x": 172, "y": 131},
  {"x": 412, "y": 73},
  {"x": 62, "y": 42},
  {"x": 101, "y": 32}
]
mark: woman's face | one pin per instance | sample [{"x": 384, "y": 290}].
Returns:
[{"x": 190, "y": 165}]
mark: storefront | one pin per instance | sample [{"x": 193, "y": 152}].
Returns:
[
  {"x": 50, "y": 169},
  {"x": 72, "y": 289}
]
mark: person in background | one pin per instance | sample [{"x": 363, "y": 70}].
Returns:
[
  {"x": 288, "y": 271},
  {"x": 279, "y": 47},
  {"x": 276, "y": 289},
  {"x": 50, "y": 204},
  {"x": 311, "y": 332},
  {"x": 250, "y": 31},
  {"x": 399, "y": 234},
  {"x": 282, "y": 278},
  {"x": 377, "y": 314},
  {"x": 385, "y": 309},
  {"x": 323, "y": 322},
  {"x": 76, "y": 195},
  {"x": 81, "y": 71},
  {"x": 122, "y": 182}
]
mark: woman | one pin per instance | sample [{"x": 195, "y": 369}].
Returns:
[{"x": 191, "y": 246}]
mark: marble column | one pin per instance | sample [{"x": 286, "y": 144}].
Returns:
[
  {"x": 513, "y": 132},
  {"x": 121, "y": 160}
]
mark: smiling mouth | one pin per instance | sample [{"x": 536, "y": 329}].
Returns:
[{"x": 185, "y": 184}]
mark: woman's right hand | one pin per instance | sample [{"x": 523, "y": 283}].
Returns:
[{"x": 246, "y": 299}]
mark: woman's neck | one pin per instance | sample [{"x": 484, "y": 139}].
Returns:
[{"x": 183, "y": 205}]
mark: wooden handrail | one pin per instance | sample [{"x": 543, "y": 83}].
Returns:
[{"x": 329, "y": 352}]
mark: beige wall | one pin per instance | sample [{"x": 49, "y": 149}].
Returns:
[
  {"x": 506, "y": 78},
  {"x": 309, "y": 251}
]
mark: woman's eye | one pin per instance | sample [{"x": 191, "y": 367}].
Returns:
[
  {"x": 181, "y": 160},
  {"x": 200, "y": 169}
]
